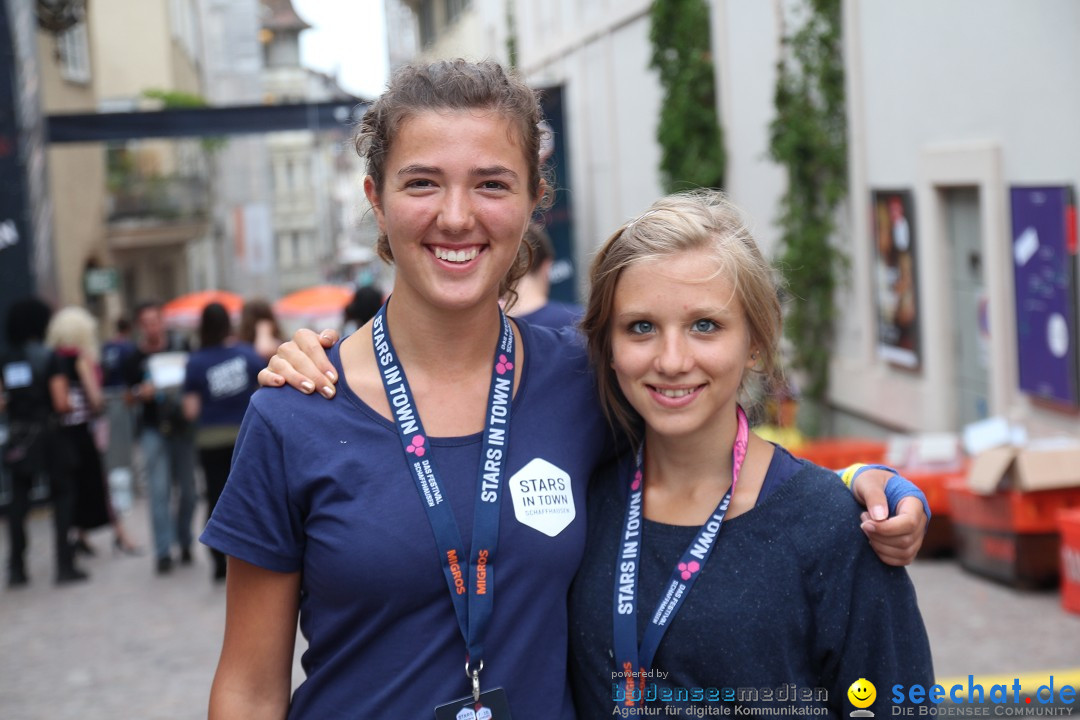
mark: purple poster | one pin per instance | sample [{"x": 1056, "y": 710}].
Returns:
[{"x": 1044, "y": 265}]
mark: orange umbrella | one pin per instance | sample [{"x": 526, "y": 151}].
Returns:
[
  {"x": 315, "y": 302},
  {"x": 186, "y": 310}
]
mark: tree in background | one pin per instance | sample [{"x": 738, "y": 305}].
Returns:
[
  {"x": 808, "y": 138},
  {"x": 691, "y": 141}
]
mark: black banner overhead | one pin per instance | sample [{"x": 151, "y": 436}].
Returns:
[{"x": 208, "y": 121}]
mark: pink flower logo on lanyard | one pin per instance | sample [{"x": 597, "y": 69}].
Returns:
[
  {"x": 417, "y": 446},
  {"x": 503, "y": 365},
  {"x": 637, "y": 481},
  {"x": 688, "y": 569}
]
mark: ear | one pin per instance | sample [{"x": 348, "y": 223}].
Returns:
[
  {"x": 752, "y": 359},
  {"x": 372, "y": 194},
  {"x": 541, "y": 190}
]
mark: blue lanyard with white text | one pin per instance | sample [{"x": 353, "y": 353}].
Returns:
[
  {"x": 631, "y": 660},
  {"x": 473, "y": 614}
]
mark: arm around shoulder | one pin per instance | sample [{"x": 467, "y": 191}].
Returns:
[{"x": 254, "y": 673}]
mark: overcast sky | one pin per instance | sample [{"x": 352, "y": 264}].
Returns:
[{"x": 347, "y": 37}]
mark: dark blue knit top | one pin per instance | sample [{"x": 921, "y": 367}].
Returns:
[{"x": 793, "y": 602}]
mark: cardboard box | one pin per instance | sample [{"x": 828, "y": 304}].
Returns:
[
  {"x": 1044, "y": 465},
  {"x": 929, "y": 452},
  {"x": 992, "y": 432}
]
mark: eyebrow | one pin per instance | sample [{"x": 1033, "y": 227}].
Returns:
[
  {"x": 697, "y": 312},
  {"x": 491, "y": 171}
]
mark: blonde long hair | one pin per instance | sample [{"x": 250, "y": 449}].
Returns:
[{"x": 74, "y": 327}]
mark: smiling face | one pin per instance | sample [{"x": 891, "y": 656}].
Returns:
[
  {"x": 454, "y": 204},
  {"x": 680, "y": 344},
  {"x": 862, "y": 693}
]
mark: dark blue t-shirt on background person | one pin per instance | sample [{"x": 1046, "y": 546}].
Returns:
[
  {"x": 554, "y": 314},
  {"x": 224, "y": 376}
]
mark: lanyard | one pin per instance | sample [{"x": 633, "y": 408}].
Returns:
[
  {"x": 630, "y": 658},
  {"x": 470, "y": 590}
]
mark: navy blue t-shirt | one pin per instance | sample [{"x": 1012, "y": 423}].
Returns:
[
  {"x": 323, "y": 488},
  {"x": 224, "y": 376},
  {"x": 114, "y": 357},
  {"x": 555, "y": 314}
]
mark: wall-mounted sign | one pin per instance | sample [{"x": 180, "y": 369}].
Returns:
[
  {"x": 98, "y": 281},
  {"x": 1044, "y": 247},
  {"x": 896, "y": 289}
]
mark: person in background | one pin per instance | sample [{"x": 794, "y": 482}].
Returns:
[
  {"x": 78, "y": 399},
  {"x": 533, "y": 304},
  {"x": 29, "y": 372},
  {"x": 259, "y": 328},
  {"x": 115, "y": 353},
  {"x": 364, "y": 304},
  {"x": 218, "y": 382},
  {"x": 166, "y": 440},
  {"x": 120, "y": 422}
]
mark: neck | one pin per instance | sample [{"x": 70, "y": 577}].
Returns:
[
  {"x": 688, "y": 462},
  {"x": 154, "y": 344},
  {"x": 446, "y": 341}
]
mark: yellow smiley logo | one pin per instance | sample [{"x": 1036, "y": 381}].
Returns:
[{"x": 862, "y": 693}]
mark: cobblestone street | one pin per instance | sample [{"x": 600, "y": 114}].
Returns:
[{"x": 132, "y": 644}]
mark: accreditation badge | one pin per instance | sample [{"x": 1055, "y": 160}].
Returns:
[{"x": 491, "y": 706}]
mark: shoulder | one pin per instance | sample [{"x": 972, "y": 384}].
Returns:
[
  {"x": 199, "y": 358},
  {"x": 816, "y": 509},
  {"x": 248, "y": 351},
  {"x": 292, "y": 413},
  {"x": 558, "y": 349}
]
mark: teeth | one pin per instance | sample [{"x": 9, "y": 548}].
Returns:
[
  {"x": 457, "y": 256},
  {"x": 674, "y": 393}
]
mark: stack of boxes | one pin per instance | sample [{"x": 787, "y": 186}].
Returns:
[{"x": 1009, "y": 507}]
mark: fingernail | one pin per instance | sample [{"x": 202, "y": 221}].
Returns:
[
  {"x": 867, "y": 527},
  {"x": 328, "y": 391},
  {"x": 332, "y": 375},
  {"x": 879, "y": 512},
  {"x": 325, "y": 336},
  {"x": 307, "y": 386}
]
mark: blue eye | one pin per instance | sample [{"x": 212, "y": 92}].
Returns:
[
  {"x": 704, "y": 326},
  {"x": 641, "y": 327}
]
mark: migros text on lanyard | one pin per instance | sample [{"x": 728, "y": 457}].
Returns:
[
  {"x": 470, "y": 580},
  {"x": 634, "y": 661}
]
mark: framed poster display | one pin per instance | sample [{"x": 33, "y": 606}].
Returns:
[
  {"x": 1044, "y": 248},
  {"x": 895, "y": 282}
]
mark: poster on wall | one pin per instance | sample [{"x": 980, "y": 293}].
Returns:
[
  {"x": 896, "y": 296},
  {"x": 1044, "y": 248}
]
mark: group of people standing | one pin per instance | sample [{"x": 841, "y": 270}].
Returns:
[
  {"x": 54, "y": 381},
  {"x": 52, "y": 394}
]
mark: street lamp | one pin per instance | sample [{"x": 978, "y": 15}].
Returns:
[{"x": 58, "y": 16}]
